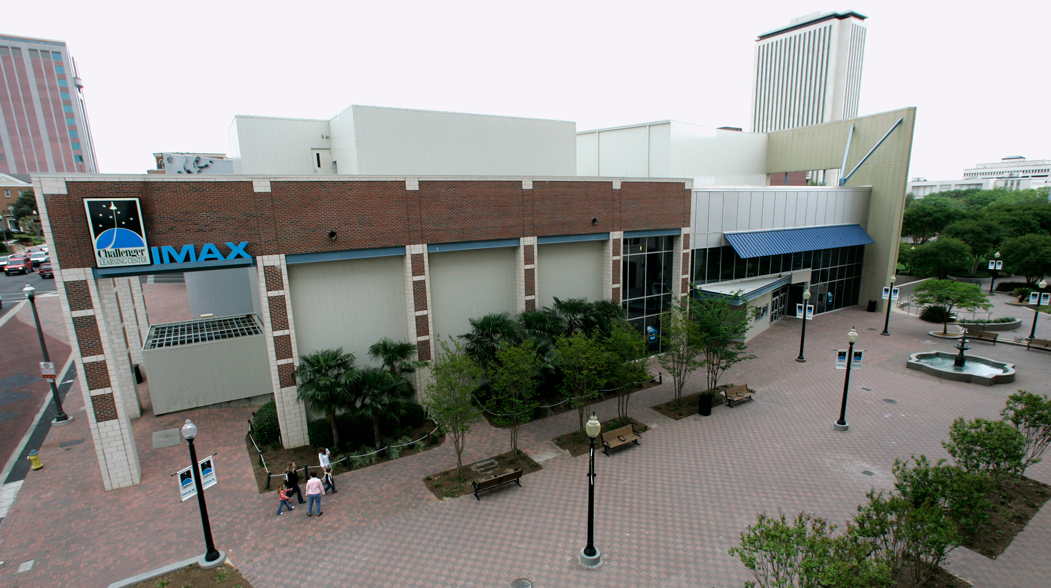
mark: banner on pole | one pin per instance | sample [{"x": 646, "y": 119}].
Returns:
[
  {"x": 187, "y": 489},
  {"x": 841, "y": 359},
  {"x": 207, "y": 473},
  {"x": 886, "y": 292},
  {"x": 894, "y": 295},
  {"x": 855, "y": 364}
]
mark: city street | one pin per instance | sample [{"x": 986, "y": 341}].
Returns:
[{"x": 11, "y": 288}]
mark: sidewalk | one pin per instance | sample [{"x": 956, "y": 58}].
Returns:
[{"x": 666, "y": 511}]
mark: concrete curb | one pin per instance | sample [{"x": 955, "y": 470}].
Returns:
[{"x": 161, "y": 571}]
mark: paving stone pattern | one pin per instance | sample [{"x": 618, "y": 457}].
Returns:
[{"x": 666, "y": 512}]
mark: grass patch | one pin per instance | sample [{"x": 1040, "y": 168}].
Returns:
[
  {"x": 445, "y": 485},
  {"x": 224, "y": 576},
  {"x": 278, "y": 458},
  {"x": 578, "y": 442},
  {"x": 1015, "y": 503},
  {"x": 689, "y": 404}
]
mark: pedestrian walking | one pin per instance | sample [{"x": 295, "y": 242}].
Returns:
[
  {"x": 314, "y": 492},
  {"x": 292, "y": 482},
  {"x": 282, "y": 498},
  {"x": 328, "y": 481},
  {"x": 323, "y": 457}
]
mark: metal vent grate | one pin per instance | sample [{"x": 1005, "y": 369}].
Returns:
[{"x": 202, "y": 331}]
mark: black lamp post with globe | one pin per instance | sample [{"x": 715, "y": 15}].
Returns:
[
  {"x": 589, "y": 556},
  {"x": 61, "y": 418},
  {"x": 212, "y": 557}
]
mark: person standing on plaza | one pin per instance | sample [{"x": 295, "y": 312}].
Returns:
[
  {"x": 292, "y": 482},
  {"x": 282, "y": 498},
  {"x": 314, "y": 492},
  {"x": 326, "y": 478},
  {"x": 324, "y": 456}
]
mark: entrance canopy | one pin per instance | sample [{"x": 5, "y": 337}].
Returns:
[
  {"x": 749, "y": 289},
  {"x": 778, "y": 241}
]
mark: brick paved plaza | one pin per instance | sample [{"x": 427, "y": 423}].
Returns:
[{"x": 666, "y": 511}]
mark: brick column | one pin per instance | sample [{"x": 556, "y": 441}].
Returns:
[
  {"x": 681, "y": 265},
  {"x": 525, "y": 274},
  {"x": 279, "y": 331},
  {"x": 612, "y": 272},
  {"x": 121, "y": 341},
  {"x": 418, "y": 309}
]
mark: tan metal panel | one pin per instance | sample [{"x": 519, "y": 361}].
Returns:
[
  {"x": 569, "y": 270},
  {"x": 470, "y": 284}
]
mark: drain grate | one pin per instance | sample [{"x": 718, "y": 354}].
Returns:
[
  {"x": 484, "y": 466},
  {"x": 890, "y": 401},
  {"x": 868, "y": 473},
  {"x": 522, "y": 583}
]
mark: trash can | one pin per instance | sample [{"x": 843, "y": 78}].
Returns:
[{"x": 872, "y": 306}]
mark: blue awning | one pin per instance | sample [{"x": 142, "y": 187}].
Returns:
[{"x": 775, "y": 242}]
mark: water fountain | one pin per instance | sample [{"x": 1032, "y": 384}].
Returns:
[
  {"x": 961, "y": 368},
  {"x": 961, "y": 360}
]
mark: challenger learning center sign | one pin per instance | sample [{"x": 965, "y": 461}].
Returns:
[{"x": 117, "y": 232}]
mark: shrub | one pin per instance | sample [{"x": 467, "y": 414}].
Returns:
[
  {"x": 1030, "y": 414},
  {"x": 984, "y": 446},
  {"x": 415, "y": 415},
  {"x": 265, "y": 425},
  {"x": 963, "y": 495},
  {"x": 1021, "y": 293},
  {"x": 319, "y": 433},
  {"x": 995, "y": 321},
  {"x": 934, "y": 313},
  {"x": 911, "y": 541},
  {"x": 1009, "y": 286}
]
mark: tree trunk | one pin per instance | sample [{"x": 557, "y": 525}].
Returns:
[
  {"x": 376, "y": 430},
  {"x": 335, "y": 433},
  {"x": 458, "y": 446}
]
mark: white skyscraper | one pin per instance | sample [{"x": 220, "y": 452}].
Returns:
[{"x": 808, "y": 72}]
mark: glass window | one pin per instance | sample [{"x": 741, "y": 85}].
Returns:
[
  {"x": 833, "y": 260},
  {"x": 852, "y": 254},
  {"x": 5, "y": 51},
  {"x": 797, "y": 261},
  {"x": 63, "y": 83},
  {"x": 764, "y": 265},
  {"x": 56, "y": 55},
  {"x": 654, "y": 273},
  {"x": 633, "y": 246},
  {"x": 808, "y": 259},
  {"x": 76, "y": 146},
  {"x": 71, "y": 122},
  {"x": 78, "y": 158},
  {"x": 712, "y": 266},
  {"x": 59, "y": 69},
  {"x": 697, "y": 271},
  {"x": 67, "y": 107},
  {"x": 729, "y": 257},
  {"x": 34, "y": 54},
  {"x": 740, "y": 267},
  {"x": 72, "y": 134},
  {"x": 65, "y": 95},
  {"x": 634, "y": 277},
  {"x": 775, "y": 264},
  {"x": 16, "y": 52},
  {"x": 861, "y": 253}
]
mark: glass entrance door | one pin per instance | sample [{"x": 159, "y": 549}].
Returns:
[{"x": 778, "y": 304}]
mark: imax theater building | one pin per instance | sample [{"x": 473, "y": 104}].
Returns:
[{"x": 301, "y": 258}]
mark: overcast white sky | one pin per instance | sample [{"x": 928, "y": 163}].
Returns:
[{"x": 169, "y": 76}]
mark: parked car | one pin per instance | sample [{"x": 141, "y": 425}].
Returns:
[
  {"x": 45, "y": 271},
  {"x": 39, "y": 257},
  {"x": 19, "y": 264}
]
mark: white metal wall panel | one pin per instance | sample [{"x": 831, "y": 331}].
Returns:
[
  {"x": 730, "y": 211},
  {"x": 715, "y": 213},
  {"x": 660, "y": 151},
  {"x": 769, "y": 205},
  {"x": 624, "y": 152},
  {"x": 570, "y": 270},
  {"x": 700, "y": 211},
  {"x": 780, "y": 209},
  {"x": 349, "y": 304},
  {"x": 587, "y": 154},
  {"x": 841, "y": 208},
  {"x": 344, "y": 143},
  {"x": 470, "y": 284},
  {"x": 755, "y": 215},
  {"x": 279, "y": 146}
]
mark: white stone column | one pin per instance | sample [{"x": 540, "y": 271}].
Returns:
[
  {"x": 121, "y": 363},
  {"x": 280, "y": 334}
]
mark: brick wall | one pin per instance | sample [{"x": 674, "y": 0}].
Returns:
[{"x": 295, "y": 217}]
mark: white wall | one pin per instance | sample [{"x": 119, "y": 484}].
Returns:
[
  {"x": 470, "y": 284},
  {"x": 349, "y": 304},
  {"x": 281, "y": 146},
  {"x": 570, "y": 270},
  {"x": 344, "y": 143},
  {"x": 393, "y": 141},
  {"x": 724, "y": 210},
  {"x": 224, "y": 292}
]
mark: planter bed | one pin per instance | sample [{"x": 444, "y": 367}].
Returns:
[
  {"x": 544, "y": 412},
  {"x": 195, "y": 576},
  {"x": 990, "y": 327},
  {"x": 445, "y": 485},
  {"x": 689, "y": 404},
  {"x": 1015, "y": 503},
  {"x": 578, "y": 443}
]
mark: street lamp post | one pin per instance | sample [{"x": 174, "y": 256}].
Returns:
[
  {"x": 841, "y": 424},
  {"x": 589, "y": 556},
  {"x": 61, "y": 418},
  {"x": 994, "y": 274},
  {"x": 890, "y": 302},
  {"x": 1036, "y": 311},
  {"x": 212, "y": 557},
  {"x": 802, "y": 333}
]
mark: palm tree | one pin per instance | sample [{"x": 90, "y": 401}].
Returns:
[
  {"x": 574, "y": 311},
  {"x": 324, "y": 377},
  {"x": 396, "y": 357},
  {"x": 376, "y": 395},
  {"x": 486, "y": 336}
]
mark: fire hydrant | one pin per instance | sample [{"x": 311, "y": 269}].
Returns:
[{"x": 33, "y": 457}]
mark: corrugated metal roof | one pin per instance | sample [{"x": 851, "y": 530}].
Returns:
[{"x": 775, "y": 242}]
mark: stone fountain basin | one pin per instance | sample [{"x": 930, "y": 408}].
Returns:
[{"x": 977, "y": 370}]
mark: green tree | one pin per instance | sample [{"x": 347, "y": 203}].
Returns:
[
  {"x": 377, "y": 395},
  {"x": 325, "y": 378},
  {"x": 514, "y": 382},
  {"x": 950, "y": 294},
  {"x": 985, "y": 446},
  {"x": 926, "y": 218},
  {"x": 963, "y": 495},
  {"x": 1028, "y": 255},
  {"x": 627, "y": 345},
  {"x": 982, "y": 236},
  {"x": 398, "y": 358},
  {"x": 585, "y": 365},
  {"x": 680, "y": 336},
  {"x": 722, "y": 328},
  {"x": 941, "y": 258},
  {"x": 450, "y": 395},
  {"x": 24, "y": 206},
  {"x": 487, "y": 335},
  {"x": 1030, "y": 415}
]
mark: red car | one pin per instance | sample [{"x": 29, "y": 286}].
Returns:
[
  {"x": 45, "y": 271},
  {"x": 18, "y": 264}
]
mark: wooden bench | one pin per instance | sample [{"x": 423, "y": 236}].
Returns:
[
  {"x": 738, "y": 394},
  {"x": 982, "y": 336},
  {"x": 617, "y": 437},
  {"x": 494, "y": 482},
  {"x": 1038, "y": 344}
]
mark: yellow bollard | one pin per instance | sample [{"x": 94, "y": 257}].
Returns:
[{"x": 33, "y": 457}]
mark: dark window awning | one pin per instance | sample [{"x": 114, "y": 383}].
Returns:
[{"x": 775, "y": 242}]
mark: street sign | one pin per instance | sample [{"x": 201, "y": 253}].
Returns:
[
  {"x": 186, "y": 486},
  {"x": 856, "y": 363},
  {"x": 1034, "y": 298},
  {"x": 47, "y": 370},
  {"x": 841, "y": 359},
  {"x": 894, "y": 295},
  {"x": 207, "y": 473}
]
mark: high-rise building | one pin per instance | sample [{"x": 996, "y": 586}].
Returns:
[
  {"x": 808, "y": 72},
  {"x": 43, "y": 123}
]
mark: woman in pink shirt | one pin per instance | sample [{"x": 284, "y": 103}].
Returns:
[{"x": 314, "y": 492}]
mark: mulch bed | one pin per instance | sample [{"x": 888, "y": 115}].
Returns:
[
  {"x": 689, "y": 404},
  {"x": 194, "y": 577},
  {"x": 446, "y": 485},
  {"x": 565, "y": 406},
  {"x": 1015, "y": 502},
  {"x": 940, "y": 579},
  {"x": 277, "y": 459},
  {"x": 578, "y": 442}
]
